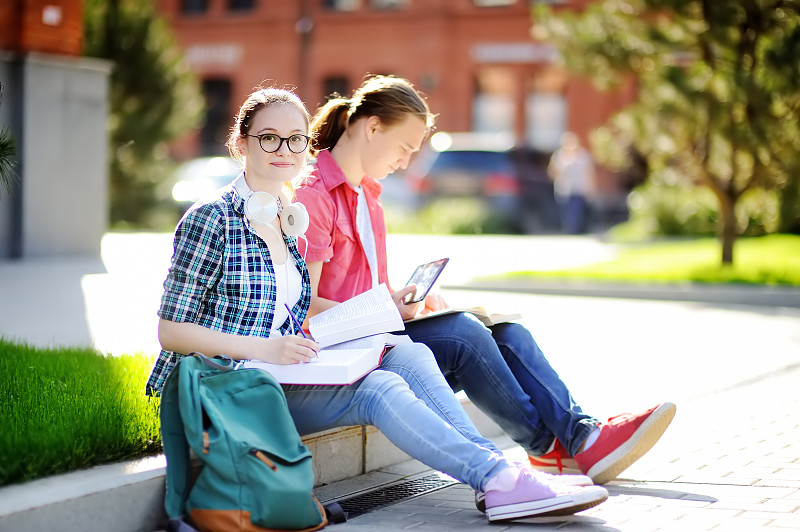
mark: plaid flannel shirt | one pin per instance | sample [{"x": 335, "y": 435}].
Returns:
[{"x": 222, "y": 277}]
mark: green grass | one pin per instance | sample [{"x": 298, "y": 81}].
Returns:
[
  {"x": 768, "y": 260},
  {"x": 68, "y": 409}
]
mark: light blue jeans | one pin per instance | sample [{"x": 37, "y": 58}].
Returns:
[
  {"x": 503, "y": 371},
  {"x": 408, "y": 400}
]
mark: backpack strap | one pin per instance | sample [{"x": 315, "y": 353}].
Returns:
[
  {"x": 175, "y": 445},
  {"x": 334, "y": 512}
]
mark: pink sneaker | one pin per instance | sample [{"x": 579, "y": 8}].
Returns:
[
  {"x": 532, "y": 496},
  {"x": 622, "y": 441},
  {"x": 563, "y": 480},
  {"x": 556, "y": 462}
]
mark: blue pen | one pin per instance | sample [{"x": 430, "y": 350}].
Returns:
[{"x": 294, "y": 320}]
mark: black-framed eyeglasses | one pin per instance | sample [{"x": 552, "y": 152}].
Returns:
[{"x": 270, "y": 142}]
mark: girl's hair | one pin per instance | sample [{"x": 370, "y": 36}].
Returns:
[
  {"x": 387, "y": 97},
  {"x": 262, "y": 97}
]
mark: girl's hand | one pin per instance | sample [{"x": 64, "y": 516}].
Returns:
[
  {"x": 289, "y": 349},
  {"x": 407, "y": 311}
]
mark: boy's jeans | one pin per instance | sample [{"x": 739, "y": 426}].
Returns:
[
  {"x": 408, "y": 400},
  {"x": 506, "y": 375}
]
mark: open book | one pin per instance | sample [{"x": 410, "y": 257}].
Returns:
[
  {"x": 369, "y": 313},
  {"x": 343, "y": 363},
  {"x": 352, "y": 337},
  {"x": 478, "y": 312}
]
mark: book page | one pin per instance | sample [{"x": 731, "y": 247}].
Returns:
[
  {"x": 478, "y": 312},
  {"x": 333, "y": 366},
  {"x": 371, "y": 341},
  {"x": 372, "y": 301},
  {"x": 369, "y": 313}
]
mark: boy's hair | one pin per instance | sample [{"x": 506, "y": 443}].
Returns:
[{"x": 389, "y": 98}]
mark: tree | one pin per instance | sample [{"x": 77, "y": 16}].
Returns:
[
  {"x": 718, "y": 88},
  {"x": 7, "y": 153},
  {"x": 154, "y": 98}
]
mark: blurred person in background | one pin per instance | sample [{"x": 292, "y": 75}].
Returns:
[
  {"x": 572, "y": 170},
  {"x": 358, "y": 141}
]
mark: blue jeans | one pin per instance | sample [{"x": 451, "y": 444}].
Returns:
[
  {"x": 503, "y": 371},
  {"x": 573, "y": 214},
  {"x": 408, "y": 400}
]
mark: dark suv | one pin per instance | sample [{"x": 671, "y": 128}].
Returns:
[
  {"x": 511, "y": 181},
  {"x": 466, "y": 169}
]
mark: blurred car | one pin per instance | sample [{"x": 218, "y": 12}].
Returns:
[
  {"x": 474, "y": 165},
  {"x": 198, "y": 178}
]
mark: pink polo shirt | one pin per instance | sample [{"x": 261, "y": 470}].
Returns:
[{"x": 332, "y": 235}]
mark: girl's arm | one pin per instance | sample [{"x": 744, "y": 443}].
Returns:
[{"x": 186, "y": 337}]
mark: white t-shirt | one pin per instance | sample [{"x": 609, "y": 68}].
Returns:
[
  {"x": 364, "y": 226},
  {"x": 288, "y": 288}
]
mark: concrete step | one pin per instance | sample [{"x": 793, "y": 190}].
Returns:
[{"x": 129, "y": 497}]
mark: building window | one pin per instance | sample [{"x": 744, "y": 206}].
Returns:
[
  {"x": 342, "y": 5},
  {"x": 493, "y": 103},
  {"x": 386, "y": 5},
  {"x": 241, "y": 5},
  {"x": 214, "y": 132},
  {"x": 335, "y": 84},
  {"x": 191, "y": 7},
  {"x": 545, "y": 107}
]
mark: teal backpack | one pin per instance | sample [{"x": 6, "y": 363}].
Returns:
[{"x": 255, "y": 473}]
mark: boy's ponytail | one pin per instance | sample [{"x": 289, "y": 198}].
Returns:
[{"x": 329, "y": 123}]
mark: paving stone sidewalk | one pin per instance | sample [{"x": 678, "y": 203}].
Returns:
[{"x": 729, "y": 462}]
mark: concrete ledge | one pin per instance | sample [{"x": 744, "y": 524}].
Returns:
[
  {"x": 126, "y": 497},
  {"x": 770, "y": 296},
  {"x": 129, "y": 497}
]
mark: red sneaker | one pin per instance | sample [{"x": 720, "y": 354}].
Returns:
[
  {"x": 556, "y": 462},
  {"x": 622, "y": 441}
]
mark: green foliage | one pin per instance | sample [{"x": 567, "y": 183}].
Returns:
[
  {"x": 667, "y": 205},
  {"x": 7, "y": 154},
  {"x": 771, "y": 260},
  {"x": 154, "y": 99},
  {"x": 67, "y": 409},
  {"x": 718, "y": 89}
]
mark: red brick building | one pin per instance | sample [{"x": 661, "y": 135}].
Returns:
[
  {"x": 475, "y": 59},
  {"x": 50, "y": 26}
]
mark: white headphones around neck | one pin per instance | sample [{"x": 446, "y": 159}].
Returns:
[{"x": 262, "y": 207}]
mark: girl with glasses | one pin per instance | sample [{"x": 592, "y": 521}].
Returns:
[{"x": 235, "y": 268}]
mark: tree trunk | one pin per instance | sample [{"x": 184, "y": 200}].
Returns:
[{"x": 728, "y": 233}]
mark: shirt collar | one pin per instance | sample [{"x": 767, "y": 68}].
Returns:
[
  {"x": 240, "y": 192},
  {"x": 332, "y": 175}
]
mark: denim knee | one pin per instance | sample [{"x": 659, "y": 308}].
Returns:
[
  {"x": 516, "y": 337},
  {"x": 457, "y": 339},
  {"x": 409, "y": 355}
]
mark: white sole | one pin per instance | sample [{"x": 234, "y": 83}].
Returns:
[
  {"x": 560, "y": 505},
  {"x": 637, "y": 445},
  {"x": 554, "y": 470}
]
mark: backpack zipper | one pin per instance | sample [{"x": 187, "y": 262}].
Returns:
[{"x": 263, "y": 457}]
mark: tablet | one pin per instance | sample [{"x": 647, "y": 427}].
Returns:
[{"x": 424, "y": 277}]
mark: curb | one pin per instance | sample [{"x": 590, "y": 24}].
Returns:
[
  {"x": 129, "y": 496},
  {"x": 771, "y": 296}
]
